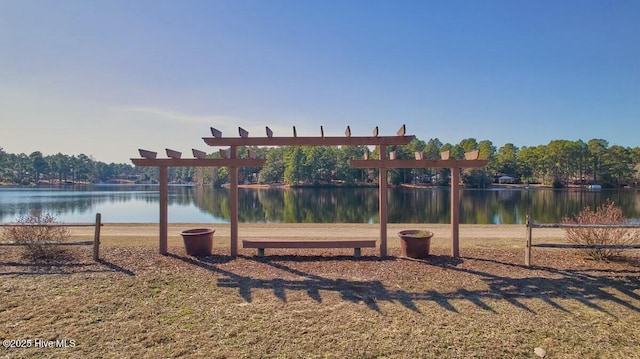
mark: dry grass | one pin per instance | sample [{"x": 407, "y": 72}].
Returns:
[{"x": 316, "y": 303}]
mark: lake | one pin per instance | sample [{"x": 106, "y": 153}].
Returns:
[{"x": 192, "y": 204}]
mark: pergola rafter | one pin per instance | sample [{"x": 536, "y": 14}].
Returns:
[
  {"x": 232, "y": 161},
  {"x": 308, "y": 141},
  {"x": 198, "y": 162}
]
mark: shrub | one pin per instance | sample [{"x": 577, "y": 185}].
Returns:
[
  {"x": 607, "y": 213},
  {"x": 38, "y": 238}
]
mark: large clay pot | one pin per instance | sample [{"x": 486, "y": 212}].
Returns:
[
  {"x": 198, "y": 242},
  {"x": 415, "y": 243}
]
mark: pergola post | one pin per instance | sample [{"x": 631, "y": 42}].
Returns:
[
  {"x": 233, "y": 203},
  {"x": 455, "y": 212},
  {"x": 164, "y": 204},
  {"x": 382, "y": 198}
]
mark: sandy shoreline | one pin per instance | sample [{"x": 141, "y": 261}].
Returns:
[{"x": 471, "y": 236}]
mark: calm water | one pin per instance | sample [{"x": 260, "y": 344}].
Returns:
[{"x": 139, "y": 204}]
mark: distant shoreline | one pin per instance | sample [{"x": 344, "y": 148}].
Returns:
[{"x": 336, "y": 185}]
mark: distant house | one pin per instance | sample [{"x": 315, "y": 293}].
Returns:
[{"x": 506, "y": 180}]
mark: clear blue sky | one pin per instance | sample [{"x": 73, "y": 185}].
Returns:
[{"x": 105, "y": 78}]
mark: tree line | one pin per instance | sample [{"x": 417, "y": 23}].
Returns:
[
  {"x": 59, "y": 169},
  {"x": 559, "y": 163}
]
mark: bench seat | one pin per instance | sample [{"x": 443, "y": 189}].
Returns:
[{"x": 261, "y": 244}]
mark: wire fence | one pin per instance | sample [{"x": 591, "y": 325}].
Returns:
[
  {"x": 96, "y": 237},
  {"x": 531, "y": 226}
]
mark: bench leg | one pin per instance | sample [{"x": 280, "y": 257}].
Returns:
[
  {"x": 356, "y": 252},
  {"x": 260, "y": 252}
]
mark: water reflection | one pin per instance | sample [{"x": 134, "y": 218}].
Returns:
[{"x": 340, "y": 205}]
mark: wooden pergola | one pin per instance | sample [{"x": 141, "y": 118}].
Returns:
[{"x": 232, "y": 161}]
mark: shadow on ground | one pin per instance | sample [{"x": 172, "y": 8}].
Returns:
[
  {"x": 65, "y": 265},
  {"x": 546, "y": 284}
]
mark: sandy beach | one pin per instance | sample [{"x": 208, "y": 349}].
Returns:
[{"x": 471, "y": 236}]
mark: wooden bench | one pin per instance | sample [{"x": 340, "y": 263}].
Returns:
[{"x": 261, "y": 244}]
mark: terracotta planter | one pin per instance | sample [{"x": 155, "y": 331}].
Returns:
[
  {"x": 415, "y": 243},
  {"x": 198, "y": 242}
]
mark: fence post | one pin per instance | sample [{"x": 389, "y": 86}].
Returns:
[
  {"x": 527, "y": 250},
  {"x": 96, "y": 237}
]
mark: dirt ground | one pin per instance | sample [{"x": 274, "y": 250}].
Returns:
[{"x": 316, "y": 303}]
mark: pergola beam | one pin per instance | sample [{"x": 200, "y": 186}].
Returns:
[
  {"x": 308, "y": 141},
  {"x": 198, "y": 162},
  {"x": 418, "y": 163}
]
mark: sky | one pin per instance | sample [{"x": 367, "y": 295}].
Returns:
[{"x": 107, "y": 77}]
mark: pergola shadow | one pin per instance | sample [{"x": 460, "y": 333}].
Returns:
[
  {"x": 585, "y": 288},
  {"x": 61, "y": 267}
]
